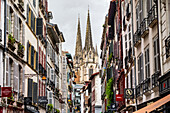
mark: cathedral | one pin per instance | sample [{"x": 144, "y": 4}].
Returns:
[{"x": 85, "y": 59}]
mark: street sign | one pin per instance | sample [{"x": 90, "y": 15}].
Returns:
[
  {"x": 6, "y": 91},
  {"x": 119, "y": 97},
  {"x": 42, "y": 100},
  {"x": 129, "y": 93}
]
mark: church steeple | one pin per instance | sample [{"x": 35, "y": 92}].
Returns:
[
  {"x": 88, "y": 40},
  {"x": 78, "y": 50}
]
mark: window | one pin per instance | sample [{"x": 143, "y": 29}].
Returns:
[
  {"x": 34, "y": 59},
  {"x": 149, "y": 5},
  {"x": 156, "y": 55},
  {"x": 140, "y": 69},
  {"x": 31, "y": 19},
  {"x": 34, "y": 3},
  {"x": 52, "y": 74},
  {"x": 131, "y": 79},
  {"x": 16, "y": 27},
  {"x": 127, "y": 81},
  {"x": 140, "y": 10},
  {"x": 137, "y": 18},
  {"x": 50, "y": 94},
  {"x": 147, "y": 64},
  {"x": 7, "y": 71},
  {"x": 9, "y": 19}
]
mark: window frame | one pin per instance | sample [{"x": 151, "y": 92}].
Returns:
[{"x": 147, "y": 63}]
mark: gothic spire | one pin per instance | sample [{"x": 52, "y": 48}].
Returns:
[
  {"x": 88, "y": 40},
  {"x": 78, "y": 50}
]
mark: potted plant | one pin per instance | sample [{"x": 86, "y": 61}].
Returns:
[
  {"x": 50, "y": 107},
  {"x": 11, "y": 42},
  {"x": 10, "y": 100},
  {"x": 109, "y": 91},
  {"x": 57, "y": 111},
  {"x": 21, "y": 50}
]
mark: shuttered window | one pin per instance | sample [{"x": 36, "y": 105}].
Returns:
[
  {"x": 140, "y": 69},
  {"x": 30, "y": 84},
  {"x": 36, "y": 60},
  {"x": 39, "y": 28},
  {"x": 52, "y": 74},
  {"x": 27, "y": 13},
  {"x": 35, "y": 92},
  {"x": 149, "y": 5},
  {"x": 156, "y": 55},
  {"x": 16, "y": 27},
  {"x": 16, "y": 76},
  {"x": 50, "y": 94},
  {"x": 23, "y": 80},
  {"x": 137, "y": 18},
  {"x": 34, "y": 3},
  {"x": 9, "y": 20},
  {"x": 29, "y": 60},
  {"x": 32, "y": 56},
  {"x": 147, "y": 63},
  {"x": 7, "y": 72},
  {"x": 28, "y": 51},
  {"x": 23, "y": 34},
  {"x": 140, "y": 11}
]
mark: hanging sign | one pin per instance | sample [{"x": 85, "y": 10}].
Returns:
[
  {"x": 6, "y": 91},
  {"x": 129, "y": 93}
]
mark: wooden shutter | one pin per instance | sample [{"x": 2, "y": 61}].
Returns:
[
  {"x": 23, "y": 80},
  {"x": 32, "y": 56},
  {"x": 39, "y": 26},
  {"x": 52, "y": 74},
  {"x": 30, "y": 82},
  {"x": 45, "y": 62},
  {"x": 39, "y": 87},
  {"x": 14, "y": 28},
  {"x": 7, "y": 18},
  {"x": 35, "y": 92},
  {"x": 7, "y": 72},
  {"x": 28, "y": 52},
  {"x": 42, "y": 58},
  {"x": 23, "y": 34},
  {"x": 16, "y": 75},
  {"x": 142, "y": 70},
  {"x": 32, "y": 20},
  {"x": 27, "y": 13}
]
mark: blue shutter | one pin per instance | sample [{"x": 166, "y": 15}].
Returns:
[
  {"x": 32, "y": 56},
  {"x": 39, "y": 26},
  {"x": 27, "y": 13},
  {"x": 28, "y": 51},
  {"x": 30, "y": 87},
  {"x": 35, "y": 92}
]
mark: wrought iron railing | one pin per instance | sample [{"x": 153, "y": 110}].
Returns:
[
  {"x": 144, "y": 27},
  {"x": 137, "y": 38},
  {"x": 152, "y": 16},
  {"x": 146, "y": 85}
]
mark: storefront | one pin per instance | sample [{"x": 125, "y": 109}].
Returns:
[{"x": 160, "y": 106}]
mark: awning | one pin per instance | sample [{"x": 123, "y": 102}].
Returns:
[{"x": 154, "y": 105}]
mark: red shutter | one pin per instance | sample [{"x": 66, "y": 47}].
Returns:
[
  {"x": 44, "y": 62},
  {"x": 42, "y": 58},
  {"x": 39, "y": 55}
]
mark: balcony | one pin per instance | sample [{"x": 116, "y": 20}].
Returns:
[
  {"x": 11, "y": 42},
  {"x": 56, "y": 69},
  {"x": 146, "y": 87},
  {"x": 144, "y": 27},
  {"x": 152, "y": 16},
  {"x": 21, "y": 5},
  {"x": 139, "y": 91},
  {"x": 167, "y": 45},
  {"x": 155, "y": 81},
  {"x": 137, "y": 38},
  {"x": 128, "y": 13},
  {"x": 20, "y": 50}
]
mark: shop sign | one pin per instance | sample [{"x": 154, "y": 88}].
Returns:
[
  {"x": 6, "y": 91},
  {"x": 129, "y": 93},
  {"x": 27, "y": 100},
  {"x": 119, "y": 97},
  {"x": 31, "y": 108},
  {"x": 42, "y": 100}
]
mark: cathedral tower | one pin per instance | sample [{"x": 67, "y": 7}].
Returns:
[{"x": 86, "y": 59}]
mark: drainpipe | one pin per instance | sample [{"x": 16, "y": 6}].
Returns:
[
  {"x": 4, "y": 42},
  {"x": 133, "y": 51}
]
